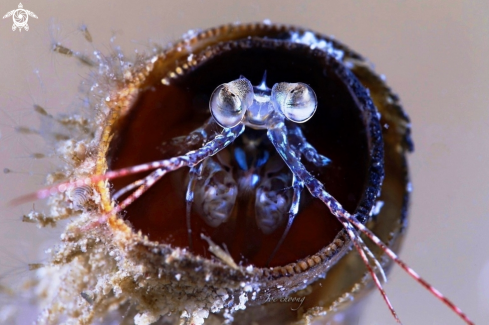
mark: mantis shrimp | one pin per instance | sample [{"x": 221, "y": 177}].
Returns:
[{"x": 261, "y": 151}]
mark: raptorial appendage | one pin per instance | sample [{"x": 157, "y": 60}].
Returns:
[
  {"x": 213, "y": 186},
  {"x": 267, "y": 161},
  {"x": 276, "y": 189}
]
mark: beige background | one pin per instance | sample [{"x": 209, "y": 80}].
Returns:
[{"x": 434, "y": 54}]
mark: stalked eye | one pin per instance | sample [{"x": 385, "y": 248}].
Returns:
[
  {"x": 297, "y": 101},
  {"x": 230, "y": 101}
]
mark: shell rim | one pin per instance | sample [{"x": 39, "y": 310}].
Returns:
[{"x": 310, "y": 264}]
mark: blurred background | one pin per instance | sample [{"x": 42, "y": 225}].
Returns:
[{"x": 434, "y": 54}]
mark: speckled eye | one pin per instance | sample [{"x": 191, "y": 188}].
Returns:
[
  {"x": 230, "y": 101},
  {"x": 297, "y": 101}
]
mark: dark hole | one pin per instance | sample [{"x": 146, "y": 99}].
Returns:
[{"x": 163, "y": 112}]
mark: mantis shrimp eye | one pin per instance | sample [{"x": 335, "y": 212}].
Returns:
[
  {"x": 297, "y": 101},
  {"x": 230, "y": 101}
]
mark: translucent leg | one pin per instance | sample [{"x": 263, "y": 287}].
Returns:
[
  {"x": 298, "y": 140},
  {"x": 294, "y": 209},
  {"x": 189, "y": 198},
  {"x": 215, "y": 194}
]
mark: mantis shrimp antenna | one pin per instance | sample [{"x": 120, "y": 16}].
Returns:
[
  {"x": 233, "y": 106},
  {"x": 276, "y": 133},
  {"x": 162, "y": 167}
]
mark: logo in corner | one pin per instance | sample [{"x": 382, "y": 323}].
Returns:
[{"x": 20, "y": 17}]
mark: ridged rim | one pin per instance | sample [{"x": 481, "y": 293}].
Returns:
[{"x": 175, "y": 62}]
